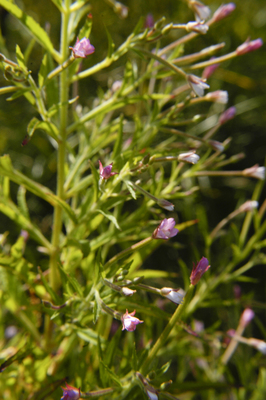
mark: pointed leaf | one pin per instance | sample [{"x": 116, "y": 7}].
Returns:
[
  {"x": 111, "y": 45},
  {"x": 110, "y": 217},
  {"x": 36, "y": 30}
]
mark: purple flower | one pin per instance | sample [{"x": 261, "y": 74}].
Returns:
[
  {"x": 223, "y": 11},
  {"x": 70, "y": 393},
  {"x": 165, "y": 230},
  {"x": 130, "y": 322},
  {"x": 149, "y": 23},
  {"x": 227, "y": 115},
  {"x": 249, "y": 46},
  {"x": 106, "y": 172},
  {"x": 197, "y": 84},
  {"x": 82, "y": 48},
  {"x": 198, "y": 270}
]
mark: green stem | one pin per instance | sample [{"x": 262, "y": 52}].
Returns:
[{"x": 169, "y": 327}]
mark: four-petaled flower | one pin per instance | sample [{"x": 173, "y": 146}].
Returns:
[
  {"x": 82, "y": 48},
  {"x": 165, "y": 230},
  {"x": 70, "y": 393},
  {"x": 198, "y": 270},
  {"x": 130, "y": 322},
  {"x": 106, "y": 172},
  {"x": 197, "y": 84}
]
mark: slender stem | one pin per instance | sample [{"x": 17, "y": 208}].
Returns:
[
  {"x": 127, "y": 251},
  {"x": 165, "y": 334}
]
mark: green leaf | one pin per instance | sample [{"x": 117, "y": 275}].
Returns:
[
  {"x": 58, "y": 4},
  {"x": 95, "y": 174},
  {"x": 119, "y": 139},
  {"x": 22, "y": 92},
  {"x": 73, "y": 281},
  {"x": 131, "y": 189},
  {"x": 23, "y": 208},
  {"x": 48, "y": 127},
  {"x": 110, "y": 217},
  {"x": 36, "y": 30},
  {"x": 6, "y": 169},
  {"x": 54, "y": 297},
  {"x": 111, "y": 374},
  {"x": 20, "y": 59},
  {"x": 111, "y": 45}
]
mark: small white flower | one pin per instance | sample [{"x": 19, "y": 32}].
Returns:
[
  {"x": 197, "y": 84},
  {"x": 198, "y": 27},
  {"x": 219, "y": 96},
  {"x": 175, "y": 295},
  {"x": 249, "y": 205},
  {"x": 201, "y": 11},
  {"x": 127, "y": 292},
  {"x": 255, "y": 172},
  {"x": 189, "y": 157}
]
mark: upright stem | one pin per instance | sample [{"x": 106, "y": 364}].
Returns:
[
  {"x": 57, "y": 222},
  {"x": 164, "y": 336}
]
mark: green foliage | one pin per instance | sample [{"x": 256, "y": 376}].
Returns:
[{"x": 87, "y": 248}]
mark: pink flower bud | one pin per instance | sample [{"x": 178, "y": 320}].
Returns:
[
  {"x": 175, "y": 295},
  {"x": 149, "y": 23},
  {"x": 165, "y": 204},
  {"x": 198, "y": 27},
  {"x": 198, "y": 270},
  {"x": 255, "y": 172},
  {"x": 223, "y": 11},
  {"x": 165, "y": 230},
  {"x": 130, "y": 322},
  {"x": 249, "y": 46},
  {"x": 106, "y": 172},
  {"x": 82, "y": 48},
  {"x": 227, "y": 115},
  {"x": 197, "y": 84},
  {"x": 259, "y": 345},
  {"x": 70, "y": 393},
  {"x": 249, "y": 206},
  {"x": 189, "y": 157},
  {"x": 208, "y": 71},
  {"x": 217, "y": 146},
  {"x": 246, "y": 317},
  {"x": 219, "y": 96}
]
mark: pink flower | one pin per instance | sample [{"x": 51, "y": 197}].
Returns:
[
  {"x": 249, "y": 46},
  {"x": 130, "y": 322},
  {"x": 223, "y": 11},
  {"x": 82, "y": 48},
  {"x": 197, "y": 84},
  {"x": 198, "y": 270},
  {"x": 165, "y": 230},
  {"x": 70, "y": 393},
  {"x": 106, "y": 172},
  {"x": 227, "y": 115}
]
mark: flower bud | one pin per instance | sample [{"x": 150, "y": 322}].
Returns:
[
  {"x": 227, "y": 115},
  {"x": 198, "y": 27},
  {"x": 127, "y": 292},
  {"x": 165, "y": 204},
  {"x": 209, "y": 70},
  {"x": 189, "y": 157},
  {"x": 260, "y": 345},
  {"x": 175, "y": 295},
  {"x": 249, "y": 206},
  {"x": 223, "y": 11},
  {"x": 246, "y": 317},
  {"x": 198, "y": 270},
  {"x": 249, "y": 46},
  {"x": 219, "y": 96},
  {"x": 201, "y": 11},
  {"x": 217, "y": 146},
  {"x": 255, "y": 172},
  {"x": 106, "y": 172}
]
